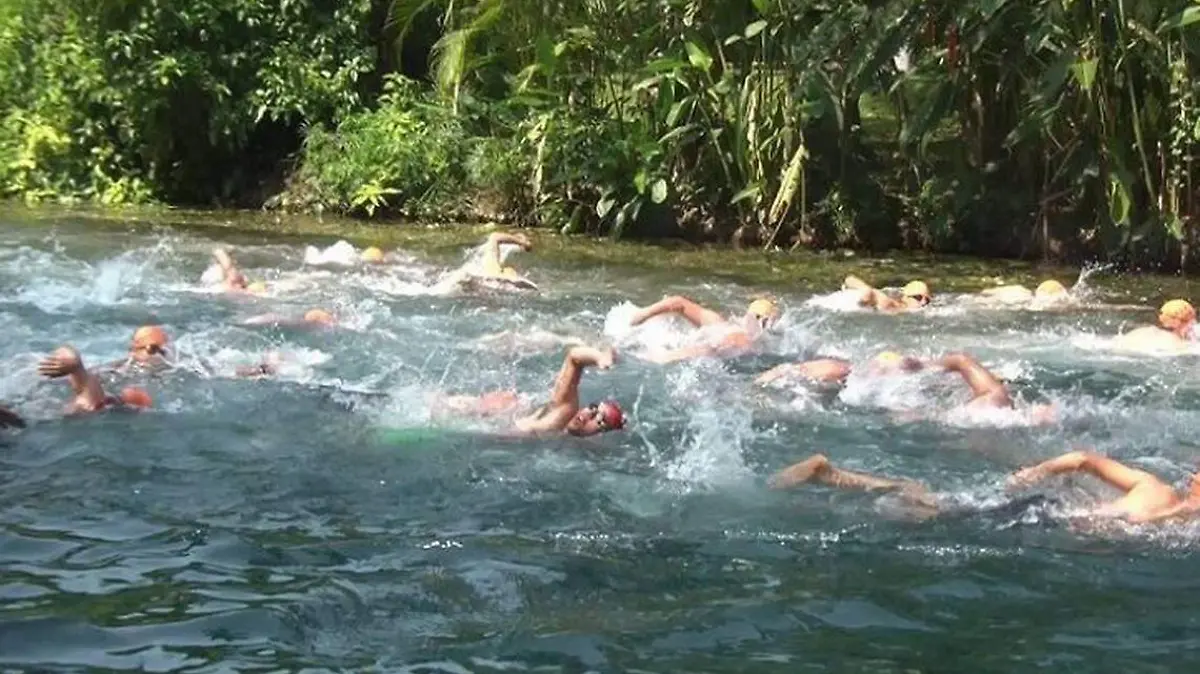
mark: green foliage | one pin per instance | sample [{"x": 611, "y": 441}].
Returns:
[
  {"x": 406, "y": 156},
  {"x": 115, "y": 100}
]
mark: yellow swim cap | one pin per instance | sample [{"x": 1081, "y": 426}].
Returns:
[
  {"x": 1050, "y": 288},
  {"x": 888, "y": 358},
  {"x": 257, "y": 287},
  {"x": 509, "y": 272},
  {"x": 916, "y": 289},
  {"x": 372, "y": 254},
  {"x": 763, "y": 308},
  {"x": 1175, "y": 313}
]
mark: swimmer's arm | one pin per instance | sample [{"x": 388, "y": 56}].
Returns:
[
  {"x": 491, "y": 260},
  {"x": 779, "y": 372},
  {"x": 10, "y": 418},
  {"x": 579, "y": 358},
  {"x": 1113, "y": 472},
  {"x": 683, "y": 353},
  {"x": 676, "y": 304},
  {"x": 66, "y": 362},
  {"x": 981, "y": 381},
  {"x": 260, "y": 370}
]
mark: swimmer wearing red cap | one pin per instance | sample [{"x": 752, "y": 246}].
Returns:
[
  {"x": 563, "y": 413},
  {"x": 89, "y": 395},
  {"x": 724, "y": 337}
]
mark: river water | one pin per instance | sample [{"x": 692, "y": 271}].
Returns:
[{"x": 285, "y": 524}]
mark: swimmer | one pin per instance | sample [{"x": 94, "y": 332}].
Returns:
[
  {"x": 836, "y": 370},
  {"x": 720, "y": 337},
  {"x": 89, "y": 395},
  {"x": 313, "y": 318},
  {"x": 232, "y": 278},
  {"x": 1146, "y": 498},
  {"x": 372, "y": 255},
  {"x": 987, "y": 391},
  {"x": 148, "y": 349},
  {"x": 491, "y": 271},
  {"x": 1174, "y": 332},
  {"x": 1047, "y": 292},
  {"x": 914, "y": 295},
  {"x": 818, "y": 469},
  {"x": 563, "y": 413},
  {"x": 10, "y": 419}
]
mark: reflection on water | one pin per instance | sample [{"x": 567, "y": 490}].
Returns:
[{"x": 317, "y": 519}]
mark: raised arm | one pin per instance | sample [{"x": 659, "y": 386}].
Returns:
[
  {"x": 566, "y": 384},
  {"x": 1113, "y": 472},
  {"x": 984, "y": 385},
  {"x": 66, "y": 362},
  {"x": 677, "y": 304},
  {"x": 491, "y": 255}
]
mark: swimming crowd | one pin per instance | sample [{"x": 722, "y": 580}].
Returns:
[{"x": 1144, "y": 497}]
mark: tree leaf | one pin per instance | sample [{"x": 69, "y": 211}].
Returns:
[
  {"x": 639, "y": 181},
  {"x": 1185, "y": 18},
  {"x": 1085, "y": 73},
  {"x": 755, "y": 28},
  {"x": 604, "y": 206},
  {"x": 658, "y": 191},
  {"x": 697, "y": 56}
]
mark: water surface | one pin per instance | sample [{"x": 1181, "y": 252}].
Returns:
[{"x": 274, "y": 524}]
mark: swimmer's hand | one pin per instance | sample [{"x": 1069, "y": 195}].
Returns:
[
  {"x": 523, "y": 241},
  {"x": 9, "y": 418},
  {"x": 60, "y": 364},
  {"x": 1025, "y": 477}
]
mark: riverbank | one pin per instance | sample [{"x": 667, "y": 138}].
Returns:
[{"x": 795, "y": 271}]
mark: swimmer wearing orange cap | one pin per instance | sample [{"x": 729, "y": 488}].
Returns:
[
  {"x": 1174, "y": 332},
  {"x": 147, "y": 349},
  {"x": 563, "y": 413},
  {"x": 722, "y": 338},
  {"x": 89, "y": 395},
  {"x": 10, "y": 419},
  {"x": 914, "y": 295}
]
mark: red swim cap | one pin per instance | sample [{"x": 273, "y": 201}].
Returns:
[{"x": 614, "y": 418}]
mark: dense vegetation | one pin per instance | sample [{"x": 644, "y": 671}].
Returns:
[{"x": 1065, "y": 128}]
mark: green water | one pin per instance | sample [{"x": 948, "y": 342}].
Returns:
[{"x": 285, "y": 524}]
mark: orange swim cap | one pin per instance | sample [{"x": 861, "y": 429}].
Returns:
[
  {"x": 136, "y": 397},
  {"x": 915, "y": 289},
  {"x": 372, "y": 254},
  {"x": 1176, "y": 313},
  {"x": 888, "y": 358},
  {"x": 1050, "y": 288},
  {"x": 149, "y": 336},
  {"x": 318, "y": 316}
]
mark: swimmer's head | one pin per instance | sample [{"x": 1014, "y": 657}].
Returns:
[
  {"x": 1050, "y": 289},
  {"x": 136, "y": 397},
  {"x": 258, "y": 288},
  {"x": 149, "y": 341},
  {"x": 890, "y": 361},
  {"x": 373, "y": 255},
  {"x": 597, "y": 418},
  {"x": 236, "y": 280},
  {"x": 1178, "y": 316},
  {"x": 318, "y": 316},
  {"x": 917, "y": 291},
  {"x": 764, "y": 311}
]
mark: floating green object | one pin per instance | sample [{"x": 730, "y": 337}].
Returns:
[{"x": 410, "y": 436}]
